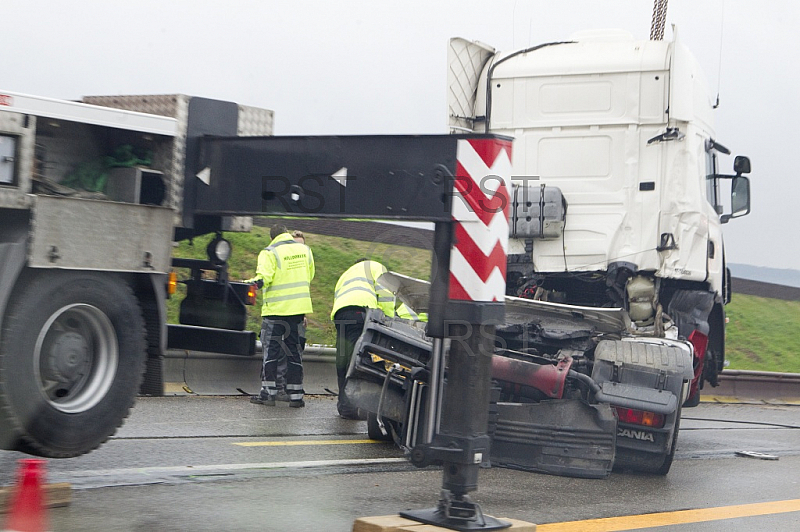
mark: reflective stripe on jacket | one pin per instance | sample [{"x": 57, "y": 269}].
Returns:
[
  {"x": 405, "y": 312},
  {"x": 359, "y": 287},
  {"x": 287, "y": 268}
]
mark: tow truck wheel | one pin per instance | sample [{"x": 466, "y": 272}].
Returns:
[{"x": 73, "y": 353}]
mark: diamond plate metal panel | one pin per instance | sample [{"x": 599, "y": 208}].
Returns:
[
  {"x": 161, "y": 104},
  {"x": 254, "y": 121}
]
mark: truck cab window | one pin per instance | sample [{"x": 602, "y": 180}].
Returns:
[{"x": 712, "y": 185}]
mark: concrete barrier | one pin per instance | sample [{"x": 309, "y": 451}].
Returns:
[
  {"x": 192, "y": 372},
  {"x": 756, "y": 386}
]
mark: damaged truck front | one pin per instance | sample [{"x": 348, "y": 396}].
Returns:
[
  {"x": 578, "y": 391},
  {"x": 616, "y": 275}
]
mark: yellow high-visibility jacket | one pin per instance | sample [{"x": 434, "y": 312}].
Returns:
[
  {"x": 286, "y": 267},
  {"x": 405, "y": 312},
  {"x": 359, "y": 287}
]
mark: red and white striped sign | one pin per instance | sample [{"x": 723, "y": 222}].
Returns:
[{"x": 480, "y": 211}]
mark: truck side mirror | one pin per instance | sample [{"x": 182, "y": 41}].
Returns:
[
  {"x": 741, "y": 165},
  {"x": 740, "y": 198}
]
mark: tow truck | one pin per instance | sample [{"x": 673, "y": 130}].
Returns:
[{"x": 94, "y": 193}]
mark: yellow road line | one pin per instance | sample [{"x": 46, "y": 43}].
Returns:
[
  {"x": 637, "y": 522},
  {"x": 730, "y": 399},
  {"x": 302, "y": 442}
]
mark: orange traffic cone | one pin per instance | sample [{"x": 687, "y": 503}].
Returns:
[{"x": 26, "y": 512}]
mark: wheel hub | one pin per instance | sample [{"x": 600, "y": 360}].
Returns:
[
  {"x": 76, "y": 356},
  {"x": 69, "y": 356}
]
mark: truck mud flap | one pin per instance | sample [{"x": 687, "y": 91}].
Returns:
[{"x": 561, "y": 437}]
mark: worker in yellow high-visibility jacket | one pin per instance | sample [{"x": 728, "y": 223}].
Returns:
[
  {"x": 285, "y": 270},
  {"x": 356, "y": 290}
]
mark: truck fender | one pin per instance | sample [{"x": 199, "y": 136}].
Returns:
[{"x": 151, "y": 291}]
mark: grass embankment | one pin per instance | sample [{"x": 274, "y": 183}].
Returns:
[
  {"x": 332, "y": 256},
  {"x": 763, "y": 334}
]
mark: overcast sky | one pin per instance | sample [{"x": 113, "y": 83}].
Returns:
[{"x": 373, "y": 67}]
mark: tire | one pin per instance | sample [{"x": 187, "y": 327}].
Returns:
[
  {"x": 667, "y": 464},
  {"x": 647, "y": 462},
  {"x": 693, "y": 401},
  {"x": 72, "y": 356},
  {"x": 374, "y": 431}
]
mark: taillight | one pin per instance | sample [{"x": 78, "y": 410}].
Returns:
[
  {"x": 172, "y": 283},
  {"x": 252, "y": 292},
  {"x": 639, "y": 417}
]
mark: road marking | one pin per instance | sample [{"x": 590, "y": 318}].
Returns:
[
  {"x": 302, "y": 442},
  {"x": 193, "y": 469},
  {"x": 730, "y": 399},
  {"x": 681, "y": 517}
]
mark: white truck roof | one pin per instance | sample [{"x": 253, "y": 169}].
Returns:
[{"x": 588, "y": 53}]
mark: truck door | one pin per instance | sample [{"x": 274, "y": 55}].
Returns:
[{"x": 716, "y": 252}]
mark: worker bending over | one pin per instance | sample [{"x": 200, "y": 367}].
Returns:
[{"x": 356, "y": 291}]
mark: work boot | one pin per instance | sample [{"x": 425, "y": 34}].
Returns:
[
  {"x": 297, "y": 404},
  {"x": 262, "y": 399},
  {"x": 351, "y": 412},
  {"x": 282, "y": 396}
]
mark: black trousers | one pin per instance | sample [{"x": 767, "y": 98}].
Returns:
[
  {"x": 349, "y": 323},
  {"x": 279, "y": 338}
]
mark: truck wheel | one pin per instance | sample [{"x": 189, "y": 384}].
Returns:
[
  {"x": 72, "y": 357},
  {"x": 693, "y": 401},
  {"x": 667, "y": 464},
  {"x": 648, "y": 462}
]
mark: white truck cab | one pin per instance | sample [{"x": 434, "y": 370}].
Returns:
[{"x": 619, "y": 200}]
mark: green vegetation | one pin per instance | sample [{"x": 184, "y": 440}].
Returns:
[
  {"x": 332, "y": 256},
  {"x": 763, "y": 334}
]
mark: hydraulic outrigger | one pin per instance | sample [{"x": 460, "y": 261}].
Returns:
[{"x": 460, "y": 182}]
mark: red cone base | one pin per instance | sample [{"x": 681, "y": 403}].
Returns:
[{"x": 26, "y": 512}]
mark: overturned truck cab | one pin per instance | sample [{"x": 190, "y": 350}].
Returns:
[{"x": 577, "y": 391}]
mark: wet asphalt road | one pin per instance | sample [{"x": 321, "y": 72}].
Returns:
[{"x": 179, "y": 463}]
